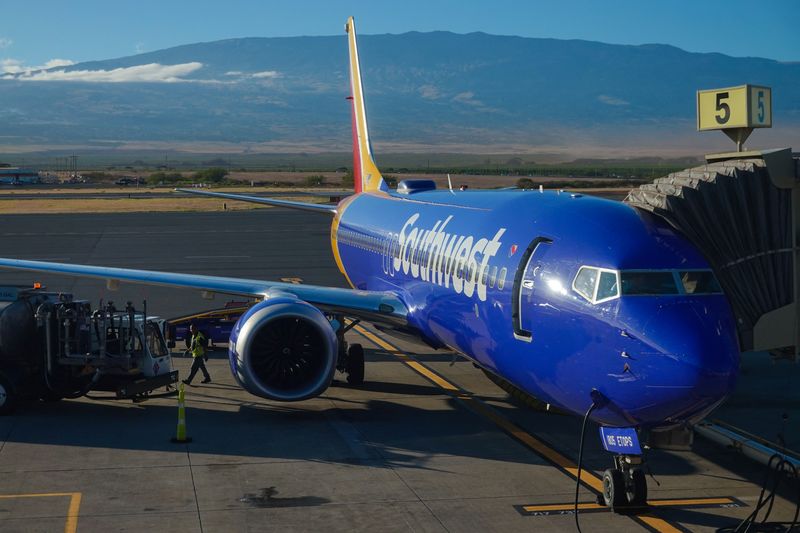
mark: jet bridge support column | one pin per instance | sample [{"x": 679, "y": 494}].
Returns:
[
  {"x": 795, "y": 312},
  {"x": 779, "y": 328}
]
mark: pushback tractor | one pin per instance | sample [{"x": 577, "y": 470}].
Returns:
[{"x": 53, "y": 346}]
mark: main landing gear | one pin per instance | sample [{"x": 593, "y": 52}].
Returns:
[
  {"x": 351, "y": 357},
  {"x": 625, "y": 485}
]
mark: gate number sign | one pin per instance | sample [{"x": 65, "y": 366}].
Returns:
[{"x": 745, "y": 106}]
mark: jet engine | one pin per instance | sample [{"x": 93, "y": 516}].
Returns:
[{"x": 283, "y": 349}]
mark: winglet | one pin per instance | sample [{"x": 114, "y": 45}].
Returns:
[{"x": 366, "y": 176}]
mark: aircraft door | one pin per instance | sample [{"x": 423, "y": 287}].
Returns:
[
  {"x": 528, "y": 275},
  {"x": 388, "y": 252},
  {"x": 385, "y": 251}
]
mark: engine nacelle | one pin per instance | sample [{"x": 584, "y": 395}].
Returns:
[{"x": 283, "y": 349}]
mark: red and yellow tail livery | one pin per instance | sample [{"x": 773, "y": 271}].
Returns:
[{"x": 366, "y": 176}]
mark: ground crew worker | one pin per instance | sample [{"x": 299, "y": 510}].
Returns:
[{"x": 199, "y": 355}]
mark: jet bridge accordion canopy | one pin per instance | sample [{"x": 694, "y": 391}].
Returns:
[{"x": 743, "y": 223}]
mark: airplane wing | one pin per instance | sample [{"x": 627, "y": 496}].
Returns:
[
  {"x": 372, "y": 306},
  {"x": 305, "y": 206}
]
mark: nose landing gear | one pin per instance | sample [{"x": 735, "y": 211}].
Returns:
[{"x": 625, "y": 485}]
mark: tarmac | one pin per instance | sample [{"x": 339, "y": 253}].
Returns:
[{"x": 426, "y": 444}]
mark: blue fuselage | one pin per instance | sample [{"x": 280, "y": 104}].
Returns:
[{"x": 490, "y": 275}]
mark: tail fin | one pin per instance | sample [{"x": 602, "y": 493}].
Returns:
[{"x": 366, "y": 175}]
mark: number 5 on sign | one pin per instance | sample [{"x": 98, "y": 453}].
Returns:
[{"x": 746, "y": 106}]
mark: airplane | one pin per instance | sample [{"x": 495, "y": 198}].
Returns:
[{"x": 589, "y": 305}]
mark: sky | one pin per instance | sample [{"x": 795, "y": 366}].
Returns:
[{"x": 52, "y": 33}]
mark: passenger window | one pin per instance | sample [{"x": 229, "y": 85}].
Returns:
[
  {"x": 585, "y": 281},
  {"x": 485, "y": 275},
  {"x": 501, "y": 280},
  {"x": 607, "y": 288},
  {"x": 493, "y": 277},
  {"x": 700, "y": 282}
]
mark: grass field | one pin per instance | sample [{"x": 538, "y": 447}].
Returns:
[
  {"x": 82, "y": 191},
  {"x": 125, "y": 205}
]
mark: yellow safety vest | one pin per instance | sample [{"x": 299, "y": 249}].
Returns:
[{"x": 197, "y": 345}]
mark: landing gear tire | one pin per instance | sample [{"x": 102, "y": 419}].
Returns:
[
  {"x": 355, "y": 364},
  {"x": 8, "y": 398},
  {"x": 614, "y": 489},
  {"x": 637, "y": 489}
]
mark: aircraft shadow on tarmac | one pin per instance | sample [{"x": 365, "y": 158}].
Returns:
[
  {"x": 388, "y": 433},
  {"x": 375, "y": 356},
  {"x": 386, "y": 387},
  {"x": 260, "y": 430},
  {"x": 429, "y": 357}
]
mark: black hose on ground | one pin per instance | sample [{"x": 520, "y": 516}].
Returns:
[
  {"x": 778, "y": 470},
  {"x": 580, "y": 462}
]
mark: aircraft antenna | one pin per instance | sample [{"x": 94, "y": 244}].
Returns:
[{"x": 450, "y": 184}]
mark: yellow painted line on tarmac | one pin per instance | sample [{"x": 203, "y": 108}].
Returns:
[
  {"x": 686, "y": 502},
  {"x": 657, "y": 524},
  {"x": 522, "y": 436},
  {"x": 556, "y": 507},
  {"x": 71, "y": 525},
  {"x": 72, "y": 514},
  {"x": 691, "y": 501}
]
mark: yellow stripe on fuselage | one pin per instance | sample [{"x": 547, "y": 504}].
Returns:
[
  {"x": 370, "y": 175},
  {"x": 334, "y": 241}
]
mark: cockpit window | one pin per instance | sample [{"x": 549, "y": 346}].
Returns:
[
  {"x": 699, "y": 282},
  {"x": 602, "y": 284},
  {"x": 652, "y": 283},
  {"x": 584, "y": 282},
  {"x": 607, "y": 287},
  {"x": 596, "y": 284}
]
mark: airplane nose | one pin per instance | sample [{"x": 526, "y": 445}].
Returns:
[{"x": 689, "y": 355}]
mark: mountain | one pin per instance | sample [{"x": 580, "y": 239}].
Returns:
[{"x": 436, "y": 87}]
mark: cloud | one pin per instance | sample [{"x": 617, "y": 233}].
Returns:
[
  {"x": 467, "y": 98},
  {"x": 150, "y": 73},
  {"x": 10, "y": 66},
  {"x": 430, "y": 92},
  {"x": 15, "y": 66},
  {"x": 611, "y": 100},
  {"x": 269, "y": 74},
  {"x": 53, "y": 63},
  {"x": 5, "y": 42},
  {"x": 263, "y": 75}
]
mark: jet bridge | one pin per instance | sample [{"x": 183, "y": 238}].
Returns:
[{"x": 742, "y": 210}]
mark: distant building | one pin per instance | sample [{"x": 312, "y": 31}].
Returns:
[{"x": 18, "y": 175}]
